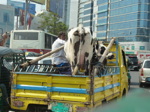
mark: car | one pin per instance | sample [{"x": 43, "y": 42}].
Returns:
[
  {"x": 32, "y": 54},
  {"x": 144, "y": 77},
  {"x": 134, "y": 62}
]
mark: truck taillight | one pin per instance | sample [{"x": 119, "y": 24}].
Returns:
[
  {"x": 18, "y": 103},
  {"x": 142, "y": 74}
]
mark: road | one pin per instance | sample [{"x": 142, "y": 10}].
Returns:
[
  {"x": 134, "y": 80},
  {"x": 131, "y": 102}
]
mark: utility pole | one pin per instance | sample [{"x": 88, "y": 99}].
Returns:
[
  {"x": 47, "y": 4},
  {"x": 108, "y": 21},
  {"x": 26, "y": 12}
]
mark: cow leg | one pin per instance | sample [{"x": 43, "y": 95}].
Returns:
[{"x": 87, "y": 67}]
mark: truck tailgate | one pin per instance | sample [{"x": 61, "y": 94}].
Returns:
[{"x": 41, "y": 86}]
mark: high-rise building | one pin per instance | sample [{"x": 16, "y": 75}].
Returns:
[
  {"x": 61, "y": 7},
  {"x": 73, "y": 13},
  {"x": 128, "y": 20}
]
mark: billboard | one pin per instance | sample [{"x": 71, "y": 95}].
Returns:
[
  {"x": 39, "y": 1},
  {"x": 21, "y": 5},
  {"x": 31, "y": 8}
]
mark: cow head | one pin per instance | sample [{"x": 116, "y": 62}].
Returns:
[{"x": 98, "y": 50}]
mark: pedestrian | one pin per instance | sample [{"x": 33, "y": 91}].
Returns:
[{"x": 58, "y": 58}]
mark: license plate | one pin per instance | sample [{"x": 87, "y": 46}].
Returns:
[{"x": 60, "y": 107}]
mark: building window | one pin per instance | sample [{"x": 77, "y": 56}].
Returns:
[
  {"x": 87, "y": 24},
  {"x": 88, "y": 11},
  {"x": 102, "y": 1},
  {"x": 88, "y": 6},
  {"x": 102, "y": 21},
  {"x": 101, "y": 34},
  {"x": 142, "y": 47},
  {"x": 87, "y": 18},
  {"x": 5, "y": 17},
  {"x": 102, "y": 14},
  {"x": 103, "y": 7},
  {"x": 101, "y": 28},
  {"x": 83, "y": 1},
  {"x": 132, "y": 47}
]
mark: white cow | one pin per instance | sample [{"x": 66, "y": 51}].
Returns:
[{"x": 79, "y": 49}]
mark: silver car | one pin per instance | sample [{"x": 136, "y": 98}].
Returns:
[{"x": 144, "y": 77}]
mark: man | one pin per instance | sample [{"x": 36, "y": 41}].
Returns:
[{"x": 59, "y": 58}]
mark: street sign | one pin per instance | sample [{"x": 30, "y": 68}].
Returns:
[{"x": 21, "y": 5}]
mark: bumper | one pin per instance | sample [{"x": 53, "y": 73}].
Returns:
[
  {"x": 134, "y": 68},
  {"x": 145, "y": 80}
]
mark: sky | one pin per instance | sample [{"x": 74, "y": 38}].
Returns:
[{"x": 38, "y": 6}]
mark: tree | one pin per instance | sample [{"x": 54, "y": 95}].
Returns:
[{"x": 51, "y": 22}]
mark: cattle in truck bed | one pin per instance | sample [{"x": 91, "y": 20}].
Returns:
[{"x": 82, "y": 50}]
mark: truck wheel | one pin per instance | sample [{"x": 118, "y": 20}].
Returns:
[{"x": 124, "y": 93}]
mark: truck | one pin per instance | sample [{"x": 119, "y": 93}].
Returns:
[{"x": 43, "y": 88}]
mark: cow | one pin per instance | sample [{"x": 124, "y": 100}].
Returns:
[
  {"x": 83, "y": 51},
  {"x": 98, "y": 50},
  {"x": 79, "y": 49}
]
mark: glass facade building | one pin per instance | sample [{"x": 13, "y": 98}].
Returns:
[
  {"x": 129, "y": 20},
  {"x": 61, "y": 7}
]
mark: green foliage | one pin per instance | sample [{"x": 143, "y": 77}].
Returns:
[{"x": 52, "y": 23}]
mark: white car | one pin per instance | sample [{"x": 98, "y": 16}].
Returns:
[
  {"x": 144, "y": 77},
  {"x": 46, "y": 60}
]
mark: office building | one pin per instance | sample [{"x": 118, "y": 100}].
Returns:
[
  {"x": 61, "y": 7},
  {"x": 128, "y": 20},
  {"x": 73, "y": 13}
]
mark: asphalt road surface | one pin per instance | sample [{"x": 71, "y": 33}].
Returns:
[{"x": 137, "y": 99}]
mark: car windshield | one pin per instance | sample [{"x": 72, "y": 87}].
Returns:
[
  {"x": 147, "y": 64},
  {"x": 134, "y": 59}
]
